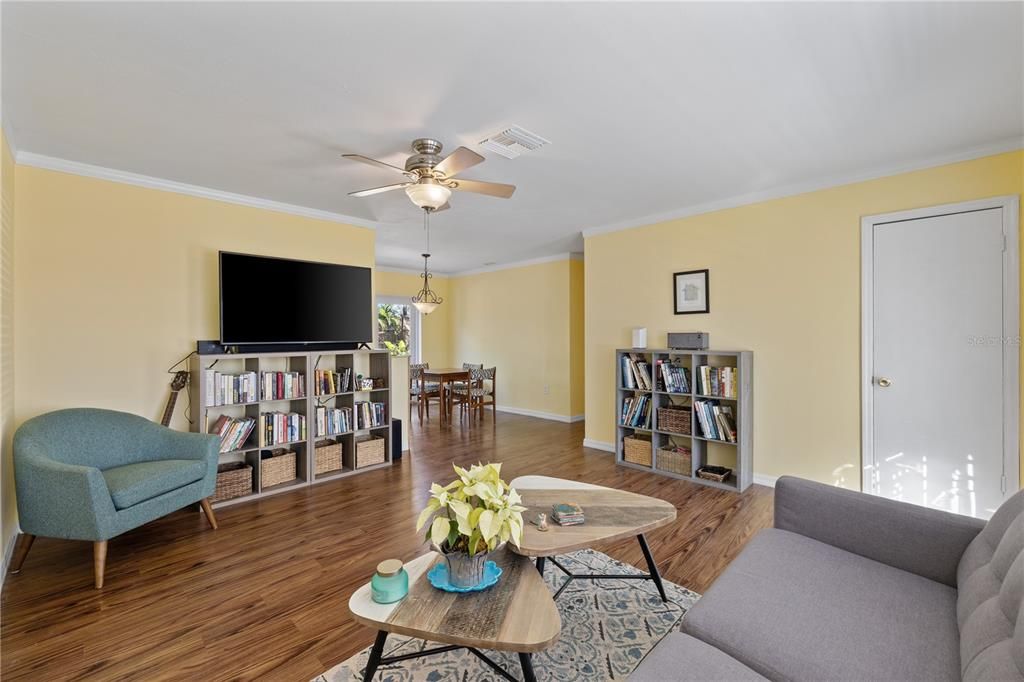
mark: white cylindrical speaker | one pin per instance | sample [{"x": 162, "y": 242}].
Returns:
[{"x": 640, "y": 337}]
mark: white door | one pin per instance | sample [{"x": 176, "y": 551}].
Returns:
[{"x": 942, "y": 377}]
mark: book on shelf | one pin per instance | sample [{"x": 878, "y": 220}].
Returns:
[
  {"x": 718, "y": 381},
  {"x": 672, "y": 378},
  {"x": 281, "y": 427},
  {"x": 636, "y": 411},
  {"x": 331, "y": 422},
  {"x": 717, "y": 422},
  {"x": 229, "y": 389},
  {"x": 283, "y": 385},
  {"x": 636, "y": 372},
  {"x": 233, "y": 432},
  {"x": 329, "y": 382},
  {"x": 370, "y": 414}
]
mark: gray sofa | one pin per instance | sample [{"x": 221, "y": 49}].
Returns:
[{"x": 849, "y": 586}]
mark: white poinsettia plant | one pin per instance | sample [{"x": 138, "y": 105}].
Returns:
[{"x": 474, "y": 513}]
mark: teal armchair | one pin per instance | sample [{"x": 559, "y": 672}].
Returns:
[{"x": 91, "y": 474}]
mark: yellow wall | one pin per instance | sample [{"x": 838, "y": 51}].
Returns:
[
  {"x": 519, "y": 320},
  {"x": 115, "y": 283},
  {"x": 785, "y": 283},
  {"x": 8, "y": 509},
  {"x": 577, "y": 329},
  {"x": 437, "y": 326}
]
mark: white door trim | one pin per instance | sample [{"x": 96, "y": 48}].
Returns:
[
  {"x": 415, "y": 323},
  {"x": 1011, "y": 340}
]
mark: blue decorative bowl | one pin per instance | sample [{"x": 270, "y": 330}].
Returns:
[{"x": 438, "y": 577}]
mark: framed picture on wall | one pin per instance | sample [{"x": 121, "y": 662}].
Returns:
[{"x": 690, "y": 292}]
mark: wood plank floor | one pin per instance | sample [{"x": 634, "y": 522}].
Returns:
[{"x": 265, "y": 596}]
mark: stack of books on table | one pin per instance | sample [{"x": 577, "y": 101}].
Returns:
[{"x": 567, "y": 514}]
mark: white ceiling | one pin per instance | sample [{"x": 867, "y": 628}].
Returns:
[{"x": 650, "y": 108}]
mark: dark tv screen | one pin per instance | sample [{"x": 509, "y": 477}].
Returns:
[{"x": 276, "y": 300}]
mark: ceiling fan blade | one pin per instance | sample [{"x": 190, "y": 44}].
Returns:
[
  {"x": 378, "y": 190},
  {"x": 458, "y": 161},
  {"x": 494, "y": 189},
  {"x": 374, "y": 162}
]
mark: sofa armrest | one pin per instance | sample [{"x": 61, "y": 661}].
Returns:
[
  {"x": 61, "y": 500},
  {"x": 182, "y": 444},
  {"x": 927, "y": 542}
]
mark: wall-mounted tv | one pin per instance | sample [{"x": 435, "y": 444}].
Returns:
[{"x": 276, "y": 300}]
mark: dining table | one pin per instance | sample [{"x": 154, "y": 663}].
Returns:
[{"x": 444, "y": 377}]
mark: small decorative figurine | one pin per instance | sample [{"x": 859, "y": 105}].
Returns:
[{"x": 542, "y": 521}]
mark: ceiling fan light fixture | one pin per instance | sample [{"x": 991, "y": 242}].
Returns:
[{"x": 428, "y": 194}]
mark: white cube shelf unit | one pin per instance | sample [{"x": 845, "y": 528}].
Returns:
[
  {"x": 367, "y": 363},
  {"x": 736, "y": 455}
]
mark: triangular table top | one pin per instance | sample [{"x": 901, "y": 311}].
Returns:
[
  {"x": 517, "y": 614},
  {"x": 610, "y": 515}
]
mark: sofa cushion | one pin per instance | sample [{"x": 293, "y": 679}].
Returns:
[
  {"x": 134, "y": 483},
  {"x": 991, "y": 591},
  {"x": 793, "y": 608},
  {"x": 682, "y": 658}
]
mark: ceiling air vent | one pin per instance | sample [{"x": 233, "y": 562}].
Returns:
[{"x": 513, "y": 141}]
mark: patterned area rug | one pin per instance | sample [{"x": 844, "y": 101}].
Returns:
[{"x": 608, "y": 626}]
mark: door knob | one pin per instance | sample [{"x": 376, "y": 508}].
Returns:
[{"x": 884, "y": 382}]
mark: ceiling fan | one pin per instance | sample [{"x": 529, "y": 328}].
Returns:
[{"x": 431, "y": 179}]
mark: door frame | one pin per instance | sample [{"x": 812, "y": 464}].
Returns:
[
  {"x": 415, "y": 323},
  {"x": 1011, "y": 341}
]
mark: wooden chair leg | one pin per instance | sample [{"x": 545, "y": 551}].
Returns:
[
  {"x": 21, "y": 549},
  {"x": 208, "y": 510},
  {"x": 99, "y": 561}
]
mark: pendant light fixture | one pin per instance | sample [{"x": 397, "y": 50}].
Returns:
[{"x": 426, "y": 301}]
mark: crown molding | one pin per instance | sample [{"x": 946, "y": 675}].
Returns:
[
  {"x": 1001, "y": 147},
  {"x": 518, "y": 264},
  {"x": 407, "y": 271},
  {"x": 88, "y": 170}
]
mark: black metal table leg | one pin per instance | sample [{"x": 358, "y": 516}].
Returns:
[
  {"x": 375, "y": 656},
  {"x": 526, "y": 660},
  {"x": 652, "y": 567},
  {"x": 540, "y": 565}
]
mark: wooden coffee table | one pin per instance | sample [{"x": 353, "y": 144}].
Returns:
[
  {"x": 518, "y": 614},
  {"x": 610, "y": 515}
]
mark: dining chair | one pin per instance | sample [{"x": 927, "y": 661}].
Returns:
[
  {"x": 422, "y": 391},
  {"x": 479, "y": 392}
]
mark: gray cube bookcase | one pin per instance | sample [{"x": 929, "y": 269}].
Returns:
[
  {"x": 369, "y": 363},
  {"x": 737, "y": 455}
]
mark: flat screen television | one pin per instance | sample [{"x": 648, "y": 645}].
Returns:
[{"x": 277, "y": 300}]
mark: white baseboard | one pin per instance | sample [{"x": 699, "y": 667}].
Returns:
[
  {"x": 551, "y": 416},
  {"x": 8, "y": 553},
  {"x": 598, "y": 445},
  {"x": 764, "y": 479}
]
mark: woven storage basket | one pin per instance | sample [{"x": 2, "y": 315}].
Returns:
[
  {"x": 636, "y": 450},
  {"x": 369, "y": 450},
  {"x": 278, "y": 468},
  {"x": 713, "y": 476},
  {"x": 674, "y": 419},
  {"x": 328, "y": 456},
  {"x": 234, "y": 479},
  {"x": 676, "y": 460}
]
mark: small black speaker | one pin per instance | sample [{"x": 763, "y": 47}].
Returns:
[{"x": 396, "y": 440}]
